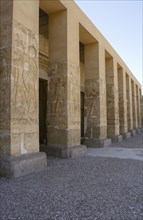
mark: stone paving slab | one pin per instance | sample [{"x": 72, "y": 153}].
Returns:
[
  {"x": 122, "y": 153},
  {"x": 131, "y": 148}
]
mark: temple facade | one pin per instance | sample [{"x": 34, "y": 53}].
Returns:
[{"x": 63, "y": 88}]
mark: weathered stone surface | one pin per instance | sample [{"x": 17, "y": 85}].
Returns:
[
  {"x": 24, "y": 86},
  {"x": 129, "y": 102},
  {"x": 141, "y": 109},
  {"x": 138, "y": 130},
  {"x": 133, "y": 132},
  {"x": 112, "y": 97},
  {"x": 13, "y": 167},
  {"x": 64, "y": 152},
  {"x": 126, "y": 135},
  {"x": 90, "y": 94},
  {"x": 97, "y": 143},
  {"x": 117, "y": 138},
  {"x": 122, "y": 100}
]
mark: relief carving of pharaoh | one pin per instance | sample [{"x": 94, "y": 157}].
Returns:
[{"x": 25, "y": 74}]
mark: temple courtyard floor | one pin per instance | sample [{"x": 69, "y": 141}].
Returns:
[{"x": 106, "y": 184}]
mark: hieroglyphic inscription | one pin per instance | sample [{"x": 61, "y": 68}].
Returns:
[{"x": 24, "y": 76}]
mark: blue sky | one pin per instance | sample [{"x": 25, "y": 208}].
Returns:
[{"x": 121, "y": 24}]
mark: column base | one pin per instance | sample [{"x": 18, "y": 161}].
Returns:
[
  {"x": 97, "y": 143},
  {"x": 13, "y": 167},
  {"x": 133, "y": 132},
  {"x": 117, "y": 138},
  {"x": 138, "y": 130},
  {"x": 64, "y": 152},
  {"x": 126, "y": 135}
]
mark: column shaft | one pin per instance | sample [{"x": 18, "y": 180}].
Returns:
[
  {"x": 5, "y": 75},
  {"x": 19, "y": 123},
  {"x": 129, "y": 103},
  {"x": 112, "y": 99},
  {"x": 122, "y": 101},
  {"x": 138, "y": 107},
  {"x": 134, "y": 104},
  {"x": 95, "y": 95},
  {"x": 63, "y": 118}
]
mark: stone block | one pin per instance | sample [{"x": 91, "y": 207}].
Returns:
[
  {"x": 133, "y": 132},
  {"x": 126, "y": 135},
  {"x": 98, "y": 143},
  {"x": 65, "y": 152},
  {"x": 138, "y": 130},
  {"x": 13, "y": 167},
  {"x": 117, "y": 138}
]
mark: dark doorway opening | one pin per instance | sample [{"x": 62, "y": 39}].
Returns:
[
  {"x": 82, "y": 115},
  {"x": 42, "y": 111}
]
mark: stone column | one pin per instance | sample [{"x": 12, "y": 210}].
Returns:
[
  {"x": 141, "y": 101},
  {"x": 134, "y": 106},
  {"x": 19, "y": 126},
  {"x": 95, "y": 96},
  {"x": 139, "y": 106},
  {"x": 129, "y": 103},
  {"x": 138, "y": 110},
  {"x": 122, "y": 103},
  {"x": 112, "y": 100},
  {"x": 63, "y": 118}
]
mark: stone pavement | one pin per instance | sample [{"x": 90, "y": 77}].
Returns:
[
  {"x": 123, "y": 153},
  {"x": 86, "y": 188},
  {"x": 131, "y": 148}
]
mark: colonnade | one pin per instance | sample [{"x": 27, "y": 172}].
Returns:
[{"x": 111, "y": 93}]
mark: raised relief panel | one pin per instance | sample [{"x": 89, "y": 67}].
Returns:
[
  {"x": 74, "y": 96},
  {"x": 91, "y": 107},
  {"x": 56, "y": 105},
  {"x": 24, "y": 76},
  {"x": 5, "y": 36},
  {"x": 4, "y": 87}
]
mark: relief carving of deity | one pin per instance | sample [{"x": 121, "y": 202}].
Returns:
[
  {"x": 59, "y": 97},
  {"x": 92, "y": 104}
]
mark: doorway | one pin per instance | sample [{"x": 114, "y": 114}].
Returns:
[{"x": 42, "y": 111}]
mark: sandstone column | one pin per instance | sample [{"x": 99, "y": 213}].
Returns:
[
  {"x": 95, "y": 96},
  {"x": 134, "y": 106},
  {"x": 112, "y": 99},
  {"x": 139, "y": 106},
  {"x": 129, "y": 103},
  {"x": 122, "y": 102},
  {"x": 19, "y": 126},
  {"x": 141, "y": 109},
  {"x": 63, "y": 118},
  {"x": 138, "y": 109}
]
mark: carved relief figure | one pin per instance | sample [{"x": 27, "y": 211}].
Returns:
[
  {"x": 59, "y": 97},
  {"x": 25, "y": 74},
  {"x": 4, "y": 88},
  {"x": 32, "y": 102},
  {"x": 92, "y": 104}
]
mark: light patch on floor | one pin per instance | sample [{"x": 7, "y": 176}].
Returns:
[{"x": 122, "y": 153}]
